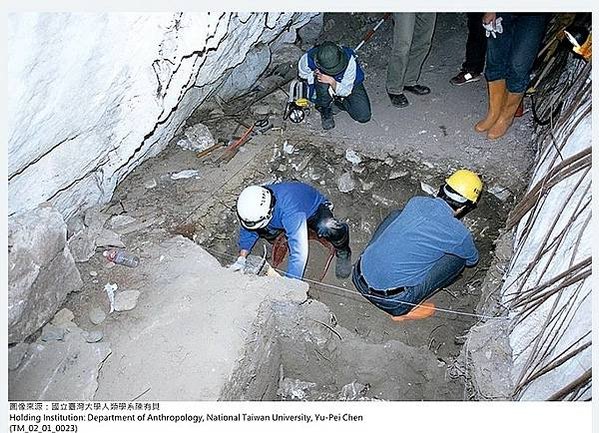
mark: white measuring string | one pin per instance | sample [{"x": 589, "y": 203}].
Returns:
[{"x": 355, "y": 292}]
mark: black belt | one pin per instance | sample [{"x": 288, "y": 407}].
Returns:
[{"x": 373, "y": 291}]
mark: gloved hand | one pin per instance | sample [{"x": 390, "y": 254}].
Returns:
[
  {"x": 493, "y": 27},
  {"x": 239, "y": 264}
]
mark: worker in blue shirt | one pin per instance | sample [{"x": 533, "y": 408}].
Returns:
[
  {"x": 420, "y": 249},
  {"x": 292, "y": 208},
  {"x": 336, "y": 82}
]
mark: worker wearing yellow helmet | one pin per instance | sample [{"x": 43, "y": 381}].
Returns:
[{"x": 418, "y": 250}]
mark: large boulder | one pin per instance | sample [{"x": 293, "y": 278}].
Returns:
[{"x": 41, "y": 270}]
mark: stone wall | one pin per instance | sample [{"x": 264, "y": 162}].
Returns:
[
  {"x": 94, "y": 95},
  {"x": 545, "y": 329},
  {"x": 91, "y": 97}
]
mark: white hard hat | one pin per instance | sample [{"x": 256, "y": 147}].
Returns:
[{"x": 254, "y": 207}]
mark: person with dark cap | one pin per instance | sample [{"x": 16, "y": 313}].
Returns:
[
  {"x": 421, "y": 249},
  {"x": 336, "y": 82}
]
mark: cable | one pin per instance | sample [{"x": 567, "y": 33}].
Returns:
[{"x": 343, "y": 289}]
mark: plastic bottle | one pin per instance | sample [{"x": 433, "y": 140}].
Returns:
[{"x": 121, "y": 257}]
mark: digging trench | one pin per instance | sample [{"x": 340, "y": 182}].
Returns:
[{"x": 333, "y": 344}]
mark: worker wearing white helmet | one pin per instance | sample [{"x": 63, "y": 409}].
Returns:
[
  {"x": 420, "y": 249},
  {"x": 290, "y": 207}
]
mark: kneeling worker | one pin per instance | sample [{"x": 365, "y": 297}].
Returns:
[
  {"x": 292, "y": 208},
  {"x": 420, "y": 249},
  {"x": 334, "y": 74}
]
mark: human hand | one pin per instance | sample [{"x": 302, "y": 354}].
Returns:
[
  {"x": 323, "y": 78},
  {"x": 239, "y": 264},
  {"x": 489, "y": 18}
]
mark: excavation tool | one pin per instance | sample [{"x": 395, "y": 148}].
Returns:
[
  {"x": 371, "y": 32},
  {"x": 259, "y": 126}
]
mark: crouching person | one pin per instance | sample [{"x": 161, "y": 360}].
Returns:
[
  {"x": 335, "y": 76},
  {"x": 418, "y": 250},
  {"x": 290, "y": 208}
]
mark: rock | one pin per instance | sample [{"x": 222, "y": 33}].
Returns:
[
  {"x": 352, "y": 156},
  {"x": 389, "y": 161},
  {"x": 358, "y": 168},
  {"x": 83, "y": 245},
  {"x": 93, "y": 336},
  {"x": 126, "y": 300},
  {"x": 352, "y": 391},
  {"x": 95, "y": 219},
  {"x": 288, "y": 148},
  {"x": 184, "y": 174},
  {"x": 108, "y": 238},
  {"x": 64, "y": 157},
  {"x": 382, "y": 200},
  {"x": 63, "y": 317},
  {"x": 197, "y": 137},
  {"x": 93, "y": 274},
  {"x": 366, "y": 186},
  {"x": 309, "y": 33},
  {"x": 303, "y": 163},
  {"x": 294, "y": 389},
  {"x": 427, "y": 188},
  {"x": 58, "y": 370},
  {"x": 397, "y": 174},
  {"x": 281, "y": 167},
  {"x": 346, "y": 183},
  {"x": 16, "y": 354},
  {"x": 501, "y": 192},
  {"x": 117, "y": 222},
  {"x": 96, "y": 315},
  {"x": 150, "y": 183},
  {"x": 52, "y": 333},
  {"x": 41, "y": 270}
]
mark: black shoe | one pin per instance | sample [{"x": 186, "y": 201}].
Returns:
[
  {"x": 343, "y": 263},
  {"x": 417, "y": 89},
  {"x": 399, "y": 100},
  {"x": 326, "y": 117}
]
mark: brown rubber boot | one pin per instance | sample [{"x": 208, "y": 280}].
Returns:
[
  {"x": 506, "y": 117},
  {"x": 497, "y": 93}
]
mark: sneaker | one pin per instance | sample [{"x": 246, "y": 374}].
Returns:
[
  {"x": 464, "y": 77},
  {"x": 343, "y": 264},
  {"x": 418, "y": 89},
  {"x": 326, "y": 117},
  {"x": 399, "y": 100}
]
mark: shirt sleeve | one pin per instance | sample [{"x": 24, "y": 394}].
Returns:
[
  {"x": 345, "y": 87},
  {"x": 296, "y": 228},
  {"x": 467, "y": 250},
  {"x": 304, "y": 70},
  {"x": 247, "y": 239}
]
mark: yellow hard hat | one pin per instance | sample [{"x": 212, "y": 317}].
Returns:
[{"x": 466, "y": 183}]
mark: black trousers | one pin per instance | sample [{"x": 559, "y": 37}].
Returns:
[
  {"x": 476, "y": 45},
  {"x": 357, "y": 103},
  {"x": 324, "y": 224}
]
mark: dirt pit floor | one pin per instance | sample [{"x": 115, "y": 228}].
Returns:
[{"x": 401, "y": 153}]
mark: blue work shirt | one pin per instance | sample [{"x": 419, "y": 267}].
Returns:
[
  {"x": 295, "y": 203},
  {"x": 409, "y": 246}
]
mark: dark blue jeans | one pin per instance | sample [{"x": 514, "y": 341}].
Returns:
[
  {"x": 324, "y": 224},
  {"x": 357, "y": 103},
  {"x": 511, "y": 55},
  {"x": 443, "y": 273}
]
